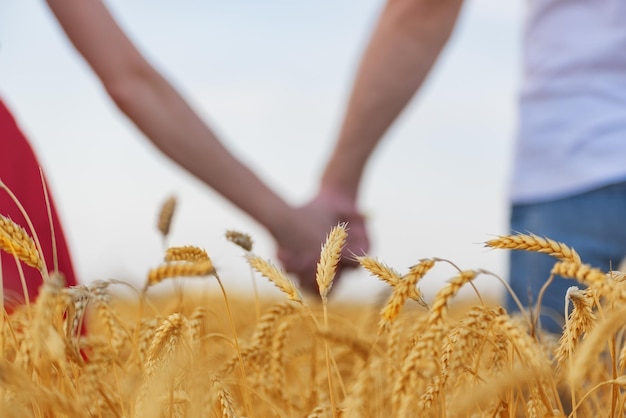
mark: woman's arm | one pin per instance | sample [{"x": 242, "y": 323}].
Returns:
[{"x": 159, "y": 111}]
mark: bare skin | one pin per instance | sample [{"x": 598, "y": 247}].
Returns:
[
  {"x": 167, "y": 120},
  {"x": 408, "y": 38},
  {"x": 404, "y": 46}
]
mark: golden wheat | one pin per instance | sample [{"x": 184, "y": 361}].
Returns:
[
  {"x": 15, "y": 240},
  {"x": 389, "y": 276},
  {"x": 331, "y": 253},
  {"x": 579, "y": 322},
  {"x": 402, "y": 290},
  {"x": 241, "y": 239},
  {"x": 186, "y": 253},
  {"x": 276, "y": 276},
  {"x": 195, "y": 356},
  {"x": 535, "y": 243},
  {"x": 185, "y": 269},
  {"x": 165, "y": 216}
]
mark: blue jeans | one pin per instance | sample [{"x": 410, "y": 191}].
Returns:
[{"x": 592, "y": 223}]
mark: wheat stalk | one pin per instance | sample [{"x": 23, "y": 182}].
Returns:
[
  {"x": 401, "y": 292},
  {"x": 276, "y": 276},
  {"x": 165, "y": 216},
  {"x": 439, "y": 305},
  {"x": 580, "y": 321},
  {"x": 329, "y": 258},
  {"x": 585, "y": 274},
  {"x": 179, "y": 269},
  {"x": 164, "y": 342},
  {"x": 101, "y": 297},
  {"x": 584, "y": 358},
  {"x": 239, "y": 238},
  {"x": 186, "y": 253},
  {"x": 15, "y": 240},
  {"x": 389, "y": 276},
  {"x": 535, "y": 243},
  {"x": 482, "y": 362},
  {"x": 257, "y": 351},
  {"x": 224, "y": 398}
]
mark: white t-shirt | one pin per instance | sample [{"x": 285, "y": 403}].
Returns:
[{"x": 572, "y": 109}]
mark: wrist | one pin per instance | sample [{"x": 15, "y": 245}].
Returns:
[
  {"x": 344, "y": 169},
  {"x": 339, "y": 186},
  {"x": 342, "y": 201}
]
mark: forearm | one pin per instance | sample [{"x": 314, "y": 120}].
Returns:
[
  {"x": 173, "y": 127},
  {"x": 159, "y": 111},
  {"x": 406, "y": 43}
]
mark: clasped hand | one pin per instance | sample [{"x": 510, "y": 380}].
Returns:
[{"x": 300, "y": 243}]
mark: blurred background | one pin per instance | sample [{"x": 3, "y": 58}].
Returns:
[{"x": 272, "y": 79}]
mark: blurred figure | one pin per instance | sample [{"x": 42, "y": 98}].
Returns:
[
  {"x": 158, "y": 110},
  {"x": 19, "y": 171},
  {"x": 569, "y": 177}
]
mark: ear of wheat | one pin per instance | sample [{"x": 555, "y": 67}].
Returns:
[
  {"x": 14, "y": 240},
  {"x": 199, "y": 357},
  {"x": 184, "y": 269},
  {"x": 165, "y": 216}
]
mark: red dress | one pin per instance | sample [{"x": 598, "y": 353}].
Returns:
[{"x": 19, "y": 170}]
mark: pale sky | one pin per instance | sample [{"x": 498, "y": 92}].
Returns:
[{"x": 272, "y": 80}]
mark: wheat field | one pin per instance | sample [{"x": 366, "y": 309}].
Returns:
[{"x": 92, "y": 350}]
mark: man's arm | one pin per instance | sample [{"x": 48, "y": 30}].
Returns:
[
  {"x": 403, "y": 48},
  {"x": 162, "y": 115},
  {"x": 405, "y": 44}
]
